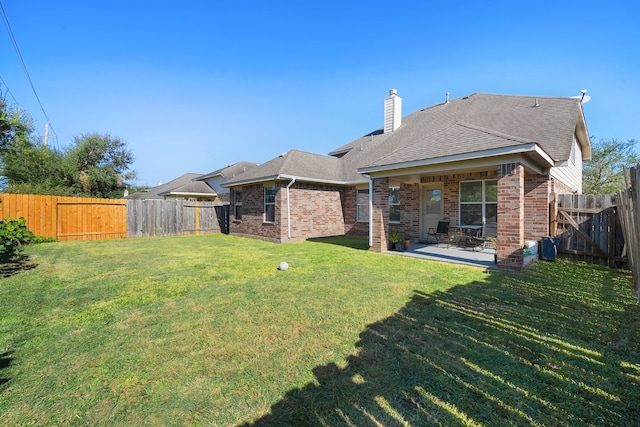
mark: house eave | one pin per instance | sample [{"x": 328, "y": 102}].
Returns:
[
  {"x": 208, "y": 176},
  {"x": 315, "y": 180},
  {"x": 283, "y": 177},
  {"x": 185, "y": 194},
  {"x": 486, "y": 157},
  {"x": 582, "y": 135}
]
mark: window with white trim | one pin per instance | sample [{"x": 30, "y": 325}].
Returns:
[
  {"x": 270, "y": 204},
  {"x": 237, "y": 205},
  {"x": 394, "y": 204},
  {"x": 362, "y": 206},
  {"x": 478, "y": 202}
]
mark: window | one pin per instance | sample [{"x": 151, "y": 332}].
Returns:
[
  {"x": 478, "y": 202},
  {"x": 237, "y": 205},
  {"x": 362, "y": 206},
  {"x": 270, "y": 204},
  {"x": 394, "y": 204}
]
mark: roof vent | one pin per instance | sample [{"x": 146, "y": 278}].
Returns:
[
  {"x": 537, "y": 104},
  {"x": 392, "y": 111},
  {"x": 447, "y": 98}
]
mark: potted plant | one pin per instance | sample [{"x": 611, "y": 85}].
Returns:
[
  {"x": 407, "y": 243},
  {"x": 394, "y": 240},
  {"x": 492, "y": 242}
]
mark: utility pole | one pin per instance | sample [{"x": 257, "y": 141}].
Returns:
[{"x": 46, "y": 135}]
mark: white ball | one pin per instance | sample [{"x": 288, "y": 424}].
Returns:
[{"x": 283, "y": 266}]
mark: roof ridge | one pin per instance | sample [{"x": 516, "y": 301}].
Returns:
[{"x": 494, "y": 132}]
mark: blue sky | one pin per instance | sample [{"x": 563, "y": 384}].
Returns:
[{"x": 193, "y": 86}]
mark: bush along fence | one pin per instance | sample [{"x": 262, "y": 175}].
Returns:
[
  {"x": 74, "y": 218},
  {"x": 629, "y": 200}
]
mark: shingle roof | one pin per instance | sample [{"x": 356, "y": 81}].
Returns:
[
  {"x": 299, "y": 164},
  {"x": 154, "y": 192},
  {"x": 482, "y": 122},
  {"x": 472, "y": 124},
  {"x": 229, "y": 171},
  {"x": 192, "y": 188}
]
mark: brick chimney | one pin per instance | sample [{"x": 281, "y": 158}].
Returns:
[{"x": 392, "y": 111}]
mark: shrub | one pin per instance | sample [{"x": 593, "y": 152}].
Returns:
[{"x": 13, "y": 236}]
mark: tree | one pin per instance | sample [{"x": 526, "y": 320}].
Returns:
[
  {"x": 102, "y": 164},
  {"x": 604, "y": 174},
  {"x": 16, "y": 126},
  {"x": 93, "y": 166}
]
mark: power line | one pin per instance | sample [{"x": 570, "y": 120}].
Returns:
[
  {"x": 15, "y": 101},
  {"x": 24, "y": 68}
]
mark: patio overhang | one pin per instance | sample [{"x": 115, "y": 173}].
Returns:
[{"x": 530, "y": 155}]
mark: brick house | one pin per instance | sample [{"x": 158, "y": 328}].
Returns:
[{"x": 478, "y": 159}]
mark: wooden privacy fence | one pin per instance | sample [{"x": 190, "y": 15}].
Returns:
[
  {"x": 147, "y": 218},
  {"x": 75, "y": 218},
  {"x": 589, "y": 228},
  {"x": 630, "y": 216},
  {"x": 67, "y": 218}
]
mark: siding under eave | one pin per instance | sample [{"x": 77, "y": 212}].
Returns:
[{"x": 571, "y": 173}]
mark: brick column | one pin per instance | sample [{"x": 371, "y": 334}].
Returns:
[
  {"x": 511, "y": 216},
  {"x": 536, "y": 206},
  {"x": 380, "y": 214}
]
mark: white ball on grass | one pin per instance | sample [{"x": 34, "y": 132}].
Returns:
[{"x": 283, "y": 266}]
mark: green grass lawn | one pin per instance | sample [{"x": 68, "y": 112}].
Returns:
[{"x": 205, "y": 330}]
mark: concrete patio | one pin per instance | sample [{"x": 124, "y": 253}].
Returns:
[{"x": 479, "y": 257}]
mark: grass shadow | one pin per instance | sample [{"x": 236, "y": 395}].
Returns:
[
  {"x": 361, "y": 243},
  {"x": 16, "y": 265},
  {"x": 525, "y": 349},
  {"x": 5, "y": 361}
]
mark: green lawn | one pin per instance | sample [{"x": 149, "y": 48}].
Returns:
[{"x": 205, "y": 330}]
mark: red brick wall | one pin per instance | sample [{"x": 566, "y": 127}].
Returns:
[
  {"x": 451, "y": 189},
  {"x": 511, "y": 216},
  {"x": 558, "y": 187},
  {"x": 409, "y": 225},
  {"x": 252, "y": 223},
  {"x": 537, "y": 189},
  {"x": 316, "y": 211},
  {"x": 380, "y": 225},
  {"x": 351, "y": 226}
]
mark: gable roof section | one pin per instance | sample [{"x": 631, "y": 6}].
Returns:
[
  {"x": 475, "y": 126},
  {"x": 192, "y": 189},
  {"x": 228, "y": 171},
  {"x": 154, "y": 192},
  {"x": 480, "y": 123},
  {"x": 301, "y": 165}
]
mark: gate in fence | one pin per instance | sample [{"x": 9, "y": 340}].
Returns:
[{"x": 589, "y": 229}]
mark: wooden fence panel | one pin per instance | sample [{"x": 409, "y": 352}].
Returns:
[
  {"x": 67, "y": 218},
  {"x": 630, "y": 216},
  {"x": 154, "y": 217},
  {"x": 91, "y": 219},
  {"x": 589, "y": 228},
  {"x": 73, "y": 218},
  {"x": 200, "y": 218}
]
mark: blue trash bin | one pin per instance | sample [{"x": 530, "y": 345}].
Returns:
[{"x": 549, "y": 248}]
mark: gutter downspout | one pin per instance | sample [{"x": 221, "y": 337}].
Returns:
[{"x": 293, "y": 180}]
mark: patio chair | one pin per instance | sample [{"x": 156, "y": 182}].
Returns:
[
  {"x": 440, "y": 233},
  {"x": 489, "y": 233}
]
